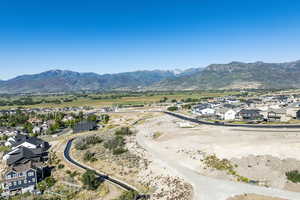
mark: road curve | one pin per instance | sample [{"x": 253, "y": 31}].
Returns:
[{"x": 114, "y": 181}]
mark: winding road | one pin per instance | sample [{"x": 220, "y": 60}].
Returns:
[
  {"x": 187, "y": 118},
  {"x": 114, "y": 181}
]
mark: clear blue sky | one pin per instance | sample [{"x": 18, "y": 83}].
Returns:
[{"x": 125, "y": 35}]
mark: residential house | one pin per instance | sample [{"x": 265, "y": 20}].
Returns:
[
  {"x": 276, "y": 115},
  {"x": 35, "y": 121},
  {"x": 37, "y": 130},
  {"x": 26, "y": 141},
  {"x": 22, "y": 155},
  {"x": 292, "y": 110},
  {"x": 25, "y": 165},
  {"x": 84, "y": 126},
  {"x": 207, "y": 111},
  {"x": 249, "y": 114},
  {"x": 22, "y": 178},
  {"x": 227, "y": 114}
]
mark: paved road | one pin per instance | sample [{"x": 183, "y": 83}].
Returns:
[
  {"x": 188, "y": 118},
  {"x": 206, "y": 188},
  {"x": 119, "y": 183}
]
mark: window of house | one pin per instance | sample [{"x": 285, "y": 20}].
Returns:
[
  {"x": 8, "y": 176},
  {"x": 10, "y": 184},
  {"x": 33, "y": 179},
  {"x": 15, "y": 183},
  {"x": 30, "y": 174},
  {"x": 20, "y": 174},
  {"x": 25, "y": 181},
  {"x": 20, "y": 182}
]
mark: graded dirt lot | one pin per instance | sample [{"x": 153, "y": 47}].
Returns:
[
  {"x": 253, "y": 197},
  {"x": 262, "y": 155}
]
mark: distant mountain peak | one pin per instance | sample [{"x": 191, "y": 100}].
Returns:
[{"x": 234, "y": 75}]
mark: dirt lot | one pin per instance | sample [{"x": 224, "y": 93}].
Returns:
[
  {"x": 253, "y": 197},
  {"x": 259, "y": 154}
]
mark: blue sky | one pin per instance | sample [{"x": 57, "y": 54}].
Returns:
[{"x": 126, "y": 35}]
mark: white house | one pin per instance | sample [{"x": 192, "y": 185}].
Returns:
[
  {"x": 207, "y": 111},
  {"x": 230, "y": 114},
  {"x": 226, "y": 113},
  {"x": 36, "y": 130}
]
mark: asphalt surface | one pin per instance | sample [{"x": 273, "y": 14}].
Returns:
[{"x": 184, "y": 117}]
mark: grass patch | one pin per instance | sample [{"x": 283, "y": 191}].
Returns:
[
  {"x": 212, "y": 161},
  {"x": 157, "y": 135},
  {"x": 293, "y": 176},
  {"x": 4, "y": 148}
]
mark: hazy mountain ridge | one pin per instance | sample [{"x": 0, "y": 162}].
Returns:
[
  {"x": 214, "y": 76},
  {"x": 66, "y": 81},
  {"x": 235, "y": 74}
]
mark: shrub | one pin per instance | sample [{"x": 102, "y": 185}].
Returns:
[
  {"x": 72, "y": 174},
  {"x": 105, "y": 118},
  {"x": 90, "y": 180},
  {"x": 116, "y": 142},
  {"x": 172, "y": 108},
  {"x": 81, "y": 145},
  {"x": 85, "y": 142},
  {"x": 60, "y": 166},
  {"x": 293, "y": 176},
  {"x": 88, "y": 156},
  {"x": 119, "y": 151},
  {"x": 128, "y": 195},
  {"x": 124, "y": 131},
  {"x": 116, "y": 145},
  {"x": 46, "y": 183}
]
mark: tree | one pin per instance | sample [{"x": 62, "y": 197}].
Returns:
[
  {"x": 105, "y": 118},
  {"x": 163, "y": 100},
  {"x": 80, "y": 116},
  {"x": 90, "y": 181},
  {"x": 28, "y": 127},
  {"x": 46, "y": 183},
  {"x": 92, "y": 118}
]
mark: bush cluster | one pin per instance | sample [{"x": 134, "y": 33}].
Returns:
[
  {"x": 85, "y": 142},
  {"x": 123, "y": 131},
  {"x": 89, "y": 156},
  {"x": 117, "y": 143},
  {"x": 90, "y": 180},
  {"x": 293, "y": 176},
  {"x": 172, "y": 108}
]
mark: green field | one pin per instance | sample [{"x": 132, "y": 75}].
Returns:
[{"x": 106, "y": 99}]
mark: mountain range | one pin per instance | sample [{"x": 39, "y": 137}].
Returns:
[{"x": 234, "y": 75}]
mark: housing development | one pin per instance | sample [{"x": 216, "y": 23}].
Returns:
[
  {"x": 150, "y": 100},
  {"x": 180, "y": 146}
]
